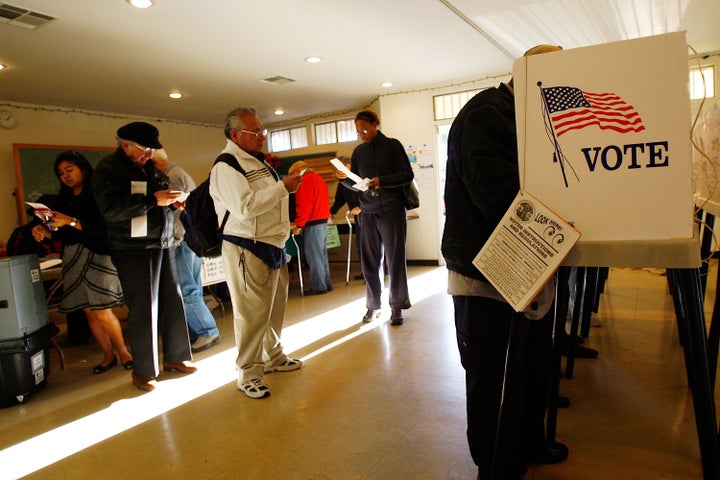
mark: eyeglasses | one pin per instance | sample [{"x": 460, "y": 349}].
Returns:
[
  {"x": 257, "y": 134},
  {"x": 362, "y": 132},
  {"x": 146, "y": 151}
]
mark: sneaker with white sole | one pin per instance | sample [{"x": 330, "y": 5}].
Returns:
[
  {"x": 254, "y": 388},
  {"x": 203, "y": 343},
  {"x": 288, "y": 365},
  {"x": 371, "y": 315}
]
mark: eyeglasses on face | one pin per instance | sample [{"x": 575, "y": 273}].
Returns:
[
  {"x": 362, "y": 132},
  {"x": 146, "y": 151},
  {"x": 257, "y": 134}
]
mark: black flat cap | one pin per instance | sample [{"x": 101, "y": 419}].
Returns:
[{"x": 141, "y": 133}]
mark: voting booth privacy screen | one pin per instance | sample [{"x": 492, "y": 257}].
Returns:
[{"x": 604, "y": 137}]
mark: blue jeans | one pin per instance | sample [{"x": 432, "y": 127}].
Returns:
[
  {"x": 315, "y": 238},
  {"x": 200, "y": 320}
]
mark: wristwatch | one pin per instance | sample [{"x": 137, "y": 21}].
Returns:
[{"x": 73, "y": 222}]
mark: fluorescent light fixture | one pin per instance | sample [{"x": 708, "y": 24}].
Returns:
[
  {"x": 175, "y": 95},
  {"x": 386, "y": 84},
  {"x": 313, "y": 59},
  {"x": 279, "y": 111},
  {"x": 140, "y": 3}
]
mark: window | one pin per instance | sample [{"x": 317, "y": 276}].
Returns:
[
  {"x": 287, "y": 139},
  {"x": 700, "y": 76},
  {"x": 335, "y": 132},
  {"x": 448, "y": 106}
]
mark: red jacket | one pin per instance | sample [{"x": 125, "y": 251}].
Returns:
[{"x": 311, "y": 200}]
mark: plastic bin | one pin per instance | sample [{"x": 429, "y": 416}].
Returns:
[{"x": 24, "y": 365}]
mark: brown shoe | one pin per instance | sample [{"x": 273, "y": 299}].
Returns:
[
  {"x": 144, "y": 383},
  {"x": 185, "y": 366}
]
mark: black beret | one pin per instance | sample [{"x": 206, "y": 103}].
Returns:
[{"x": 141, "y": 133}]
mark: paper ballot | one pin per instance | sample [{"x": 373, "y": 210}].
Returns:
[
  {"x": 138, "y": 225},
  {"x": 360, "y": 183}
]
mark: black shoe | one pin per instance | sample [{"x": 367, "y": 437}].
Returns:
[
  {"x": 396, "y": 317},
  {"x": 310, "y": 292},
  {"x": 359, "y": 277},
  {"x": 563, "y": 401},
  {"x": 406, "y": 304},
  {"x": 371, "y": 315},
  {"x": 98, "y": 369},
  {"x": 548, "y": 454},
  {"x": 583, "y": 352}
]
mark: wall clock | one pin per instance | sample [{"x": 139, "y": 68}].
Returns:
[{"x": 8, "y": 119}]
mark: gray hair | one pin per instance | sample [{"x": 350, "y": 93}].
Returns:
[
  {"x": 233, "y": 120},
  {"x": 160, "y": 154}
]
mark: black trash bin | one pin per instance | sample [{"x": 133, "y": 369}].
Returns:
[{"x": 24, "y": 365}]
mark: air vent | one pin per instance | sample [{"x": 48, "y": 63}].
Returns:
[
  {"x": 277, "y": 80},
  {"x": 21, "y": 17}
]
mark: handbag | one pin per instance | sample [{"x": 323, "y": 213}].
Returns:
[
  {"x": 333, "y": 237},
  {"x": 412, "y": 197}
]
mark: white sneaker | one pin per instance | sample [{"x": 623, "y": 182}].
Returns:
[
  {"x": 254, "y": 388},
  {"x": 288, "y": 365},
  {"x": 203, "y": 343}
]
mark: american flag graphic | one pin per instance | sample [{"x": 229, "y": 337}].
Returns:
[{"x": 572, "y": 109}]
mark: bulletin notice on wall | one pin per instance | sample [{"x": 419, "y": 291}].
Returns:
[{"x": 525, "y": 250}]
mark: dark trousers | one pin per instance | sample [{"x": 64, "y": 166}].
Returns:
[
  {"x": 384, "y": 232},
  {"x": 483, "y": 329},
  {"x": 152, "y": 294}
]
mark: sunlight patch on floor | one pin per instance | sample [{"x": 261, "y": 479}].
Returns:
[{"x": 213, "y": 372}]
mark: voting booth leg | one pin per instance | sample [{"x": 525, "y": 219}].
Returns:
[
  {"x": 714, "y": 335},
  {"x": 562, "y": 299},
  {"x": 591, "y": 282},
  {"x": 512, "y": 393},
  {"x": 706, "y": 234},
  {"x": 687, "y": 287},
  {"x": 575, "y": 321}
]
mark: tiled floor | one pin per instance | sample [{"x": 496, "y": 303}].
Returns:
[{"x": 372, "y": 402}]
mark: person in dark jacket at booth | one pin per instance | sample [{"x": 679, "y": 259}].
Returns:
[
  {"x": 134, "y": 198},
  {"x": 481, "y": 183}
]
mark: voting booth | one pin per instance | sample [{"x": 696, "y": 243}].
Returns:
[{"x": 604, "y": 142}]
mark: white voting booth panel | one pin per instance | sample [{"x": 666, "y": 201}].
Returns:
[{"x": 603, "y": 139}]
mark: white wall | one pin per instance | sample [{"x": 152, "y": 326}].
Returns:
[
  {"x": 409, "y": 117},
  {"x": 195, "y": 147}
]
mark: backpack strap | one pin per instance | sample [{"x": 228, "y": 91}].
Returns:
[{"x": 232, "y": 161}]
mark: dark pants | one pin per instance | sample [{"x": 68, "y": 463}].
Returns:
[
  {"x": 483, "y": 329},
  {"x": 149, "y": 282},
  {"x": 384, "y": 232}
]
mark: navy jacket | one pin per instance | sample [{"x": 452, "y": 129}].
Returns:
[
  {"x": 386, "y": 159},
  {"x": 482, "y": 176}
]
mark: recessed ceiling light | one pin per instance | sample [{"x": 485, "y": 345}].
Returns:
[
  {"x": 2, "y": 66},
  {"x": 386, "y": 84},
  {"x": 175, "y": 95},
  {"x": 140, "y": 3},
  {"x": 313, "y": 59},
  {"x": 279, "y": 111}
]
